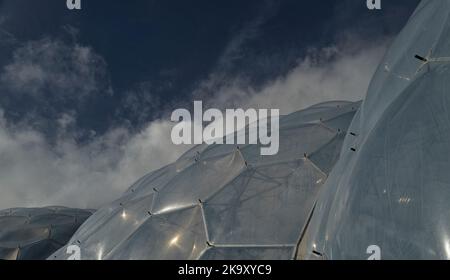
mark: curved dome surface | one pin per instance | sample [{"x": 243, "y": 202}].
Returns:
[
  {"x": 36, "y": 233},
  {"x": 223, "y": 201},
  {"x": 391, "y": 186}
]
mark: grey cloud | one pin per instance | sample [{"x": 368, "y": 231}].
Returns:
[{"x": 52, "y": 67}]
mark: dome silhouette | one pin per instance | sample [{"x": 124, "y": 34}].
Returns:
[
  {"x": 391, "y": 186},
  {"x": 36, "y": 233},
  {"x": 224, "y": 201}
]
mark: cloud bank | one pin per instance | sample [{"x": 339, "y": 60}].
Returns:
[{"x": 36, "y": 171}]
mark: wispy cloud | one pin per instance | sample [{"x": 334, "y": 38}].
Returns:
[
  {"x": 38, "y": 170},
  {"x": 338, "y": 72},
  {"x": 56, "y": 70},
  {"x": 233, "y": 51},
  {"x": 6, "y": 37}
]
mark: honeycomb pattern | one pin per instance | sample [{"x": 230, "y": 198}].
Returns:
[
  {"x": 36, "y": 233},
  {"x": 223, "y": 201}
]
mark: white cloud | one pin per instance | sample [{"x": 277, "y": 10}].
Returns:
[
  {"x": 33, "y": 173},
  {"x": 36, "y": 171},
  {"x": 333, "y": 73}
]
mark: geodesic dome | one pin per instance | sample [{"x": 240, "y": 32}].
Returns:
[
  {"x": 36, "y": 233},
  {"x": 223, "y": 201},
  {"x": 391, "y": 186}
]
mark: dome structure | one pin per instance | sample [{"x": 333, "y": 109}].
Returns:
[
  {"x": 390, "y": 189},
  {"x": 36, "y": 233},
  {"x": 224, "y": 201}
]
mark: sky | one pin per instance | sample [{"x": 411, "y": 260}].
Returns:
[{"x": 86, "y": 96}]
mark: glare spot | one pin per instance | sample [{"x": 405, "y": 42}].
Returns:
[
  {"x": 124, "y": 215},
  {"x": 404, "y": 200},
  {"x": 447, "y": 248},
  {"x": 174, "y": 241},
  {"x": 168, "y": 208},
  {"x": 100, "y": 254}
]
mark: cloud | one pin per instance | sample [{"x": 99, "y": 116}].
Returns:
[
  {"x": 6, "y": 37},
  {"x": 53, "y": 72},
  {"x": 337, "y": 72},
  {"x": 36, "y": 173},
  {"x": 38, "y": 170},
  {"x": 141, "y": 103},
  {"x": 234, "y": 49}
]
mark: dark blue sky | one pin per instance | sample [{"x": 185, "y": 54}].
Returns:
[{"x": 147, "y": 57}]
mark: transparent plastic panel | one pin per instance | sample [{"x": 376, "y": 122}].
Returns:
[
  {"x": 392, "y": 189},
  {"x": 63, "y": 233},
  {"x": 192, "y": 153},
  {"x": 242, "y": 193},
  {"x": 295, "y": 143},
  {"x": 52, "y": 219},
  {"x": 198, "y": 182},
  {"x": 27, "y": 212},
  {"x": 176, "y": 235},
  {"x": 9, "y": 222},
  {"x": 320, "y": 112},
  {"x": 423, "y": 35},
  {"x": 248, "y": 253},
  {"x": 397, "y": 196},
  {"x": 9, "y": 254},
  {"x": 327, "y": 156},
  {"x": 340, "y": 123},
  {"x": 38, "y": 251},
  {"x": 257, "y": 207},
  {"x": 38, "y": 232},
  {"x": 128, "y": 218},
  {"x": 216, "y": 150},
  {"x": 99, "y": 218},
  {"x": 155, "y": 180},
  {"x": 22, "y": 236},
  {"x": 331, "y": 105}
]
